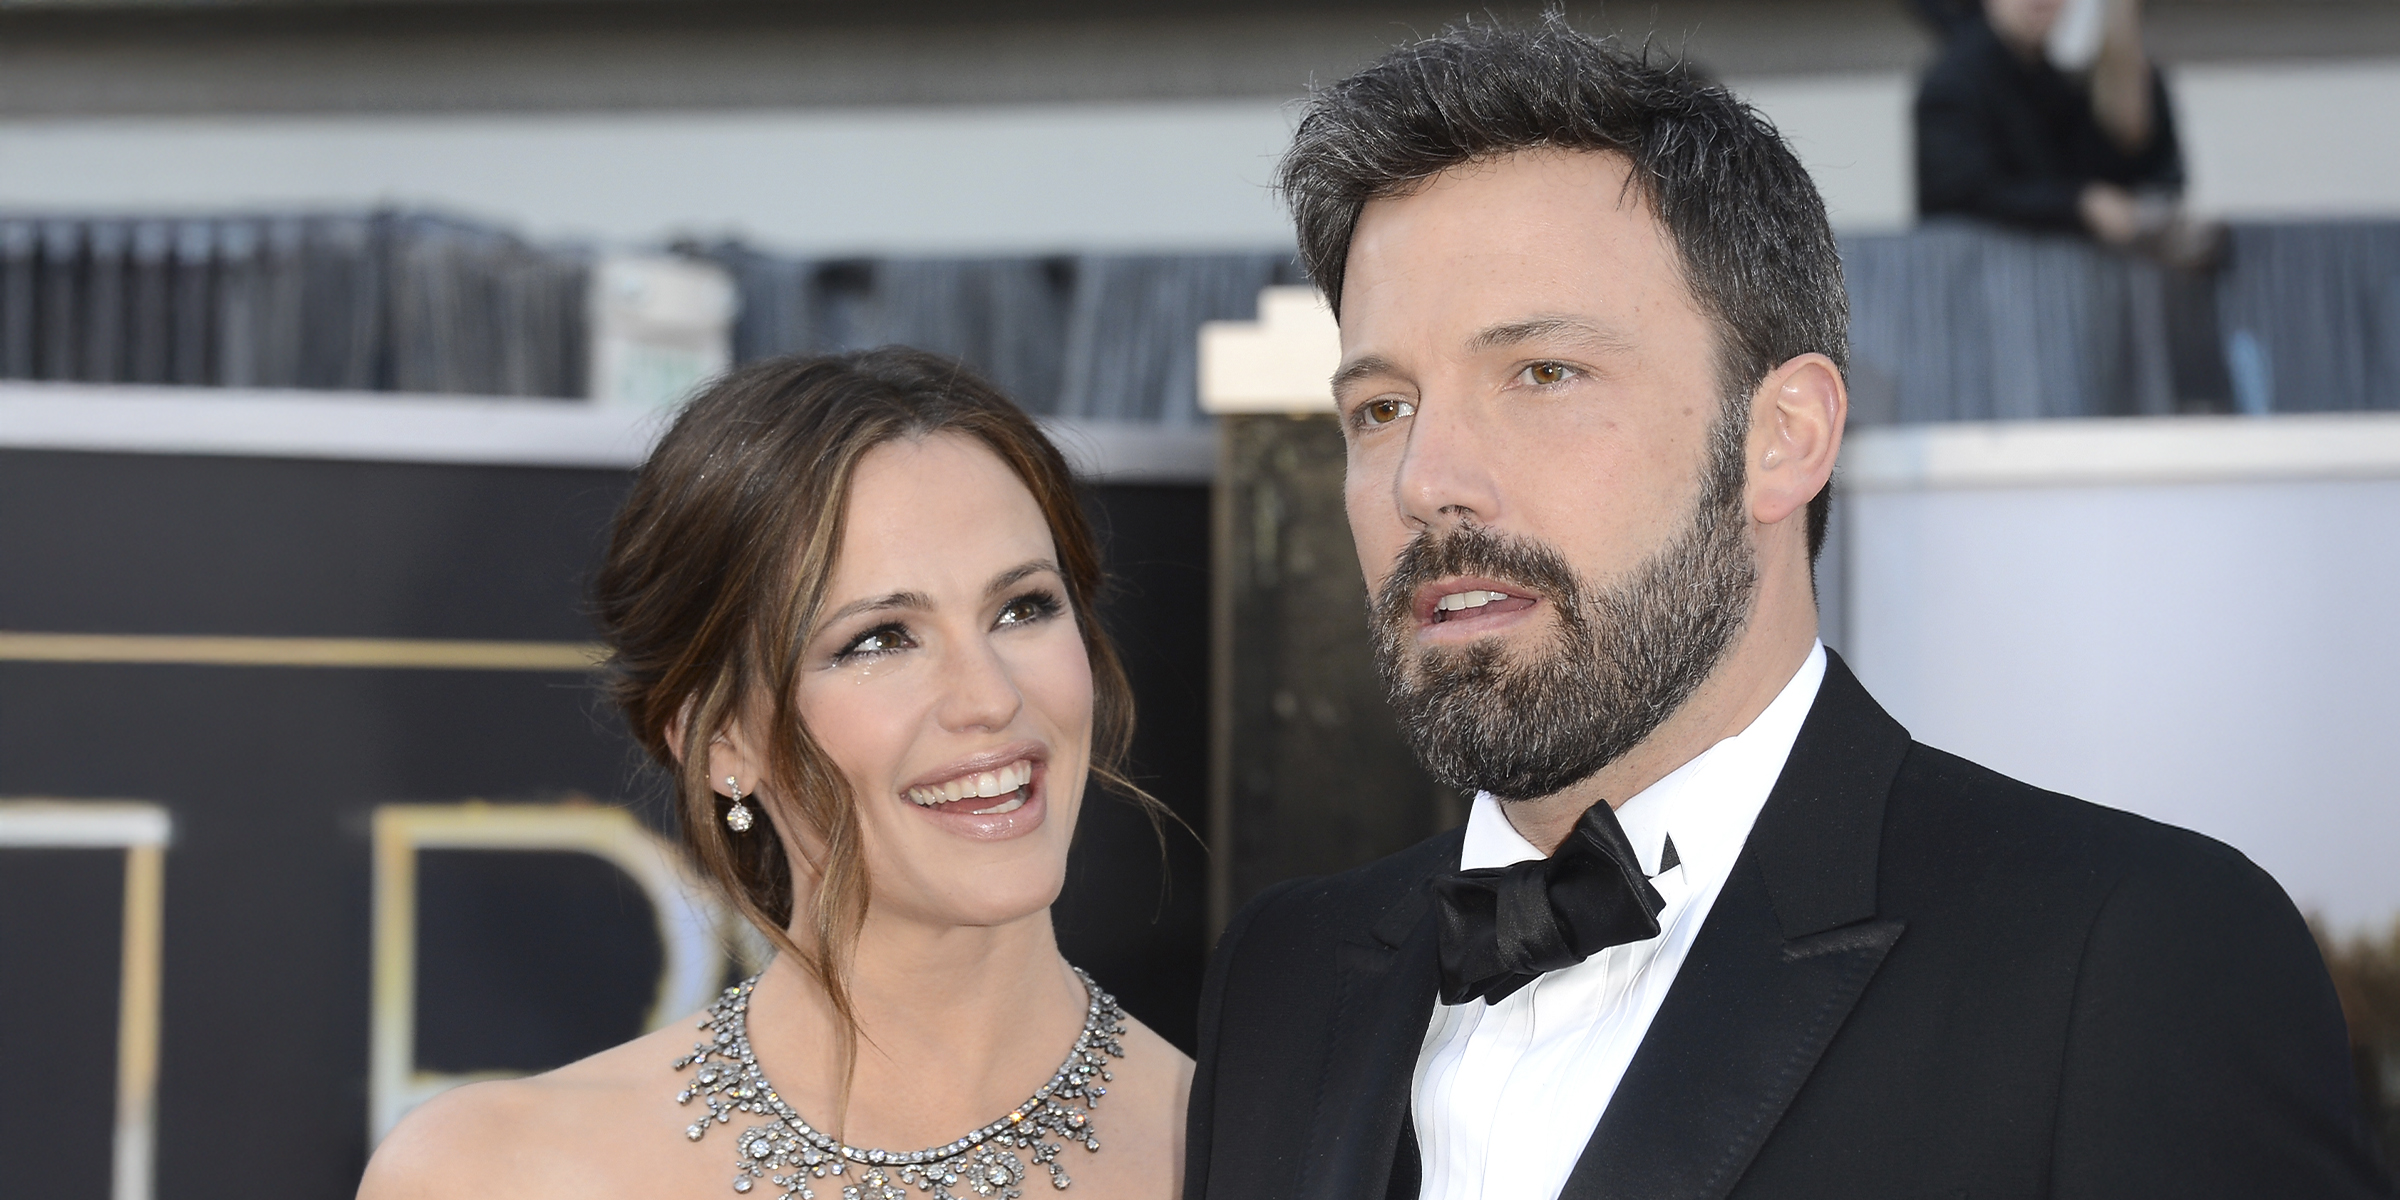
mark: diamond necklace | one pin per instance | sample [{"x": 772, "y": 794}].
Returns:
[{"x": 794, "y": 1156}]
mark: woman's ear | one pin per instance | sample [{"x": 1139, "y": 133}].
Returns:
[{"x": 731, "y": 763}]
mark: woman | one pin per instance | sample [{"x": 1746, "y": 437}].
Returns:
[{"x": 850, "y": 604}]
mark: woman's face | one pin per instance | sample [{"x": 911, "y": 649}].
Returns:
[{"x": 950, "y": 684}]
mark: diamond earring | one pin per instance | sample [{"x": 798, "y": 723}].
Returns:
[{"x": 738, "y": 817}]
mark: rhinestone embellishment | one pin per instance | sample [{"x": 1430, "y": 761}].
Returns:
[
  {"x": 737, "y": 818},
  {"x": 994, "y": 1161}
]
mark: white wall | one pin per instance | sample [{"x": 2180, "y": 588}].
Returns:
[
  {"x": 919, "y": 180},
  {"x": 2192, "y": 620},
  {"x": 2292, "y": 139},
  {"x": 2264, "y": 140},
  {"x": 1852, "y": 132}
]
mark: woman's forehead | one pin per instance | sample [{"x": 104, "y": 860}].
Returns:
[{"x": 936, "y": 513}]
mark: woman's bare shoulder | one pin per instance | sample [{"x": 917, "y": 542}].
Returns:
[
  {"x": 1172, "y": 1067},
  {"x": 1142, "y": 1117},
  {"x": 602, "y": 1126}
]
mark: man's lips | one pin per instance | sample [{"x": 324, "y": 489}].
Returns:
[{"x": 1470, "y": 600}]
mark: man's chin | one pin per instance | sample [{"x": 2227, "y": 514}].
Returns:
[{"x": 1481, "y": 662}]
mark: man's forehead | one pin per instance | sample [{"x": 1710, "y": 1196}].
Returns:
[
  {"x": 1548, "y": 221},
  {"x": 1509, "y": 195}
]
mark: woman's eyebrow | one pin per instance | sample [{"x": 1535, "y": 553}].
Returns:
[
  {"x": 1018, "y": 574},
  {"x": 919, "y": 601},
  {"x": 886, "y": 603}
]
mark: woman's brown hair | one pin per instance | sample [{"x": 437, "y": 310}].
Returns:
[{"x": 715, "y": 576}]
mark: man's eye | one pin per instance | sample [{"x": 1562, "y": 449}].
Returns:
[
  {"x": 1546, "y": 373},
  {"x": 1385, "y": 411}
]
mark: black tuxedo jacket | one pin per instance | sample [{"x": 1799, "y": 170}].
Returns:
[{"x": 1922, "y": 980}]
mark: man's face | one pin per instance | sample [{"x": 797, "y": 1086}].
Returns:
[{"x": 1545, "y": 480}]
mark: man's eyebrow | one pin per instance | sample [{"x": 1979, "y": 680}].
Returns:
[
  {"x": 1517, "y": 333},
  {"x": 1362, "y": 367},
  {"x": 887, "y": 603},
  {"x": 1019, "y": 573}
]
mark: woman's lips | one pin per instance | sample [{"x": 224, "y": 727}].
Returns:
[
  {"x": 1005, "y": 780},
  {"x": 990, "y": 797}
]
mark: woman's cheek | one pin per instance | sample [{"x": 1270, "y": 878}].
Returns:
[
  {"x": 860, "y": 723},
  {"x": 1062, "y": 679}
]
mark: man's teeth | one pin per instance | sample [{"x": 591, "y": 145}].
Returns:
[
  {"x": 1457, "y": 601},
  {"x": 1002, "y": 781}
]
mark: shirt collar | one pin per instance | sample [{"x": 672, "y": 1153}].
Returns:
[{"x": 1707, "y": 804}]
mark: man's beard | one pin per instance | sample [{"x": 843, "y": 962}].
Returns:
[{"x": 1626, "y": 656}]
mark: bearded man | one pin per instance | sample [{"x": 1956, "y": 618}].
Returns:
[{"x": 1715, "y": 925}]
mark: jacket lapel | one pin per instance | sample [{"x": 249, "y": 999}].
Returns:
[
  {"x": 1388, "y": 979},
  {"x": 1789, "y": 945}
]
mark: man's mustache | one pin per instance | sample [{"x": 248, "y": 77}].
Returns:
[{"x": 1524, "y": 562}]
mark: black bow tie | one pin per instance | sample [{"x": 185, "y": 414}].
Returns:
[{"x": 1504, "y": 927}]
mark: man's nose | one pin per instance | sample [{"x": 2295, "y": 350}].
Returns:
[{"x": 1446, "y": 474}]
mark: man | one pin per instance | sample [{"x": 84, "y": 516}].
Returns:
[{"x": 1592, "y": 329}]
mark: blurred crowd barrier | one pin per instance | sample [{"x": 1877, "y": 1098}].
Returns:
[
  {"x": 419, "y": 303},
  {"x": 1963, "y": 322},
  {"x": 358, "y": 302},
  {"x": 1096, "y": 337},
  {"x": 1949, "y": 322}
]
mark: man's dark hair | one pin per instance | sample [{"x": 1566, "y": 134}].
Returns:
[{"x": 1746, "y": 220}]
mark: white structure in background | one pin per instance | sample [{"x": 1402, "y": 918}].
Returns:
[
  {"x": 659, "y": 325},
  {"x": 113, "y": 418},
  {"x": 2190, "y": 619},
  {"x": 695, "y": 931},
  {"x": 1283, "y": 362},
  {"x": 2265, "y": 139},
  {"x": 2187, "y": 618},
  {"x": 142, "y": 830}
]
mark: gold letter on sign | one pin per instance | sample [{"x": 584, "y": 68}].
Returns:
[
  {"x": 690, "y": 922},
  {"x": 141, "y": 831}
]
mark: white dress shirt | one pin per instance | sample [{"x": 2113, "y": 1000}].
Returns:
[{"x": 1506, "y": 1095}]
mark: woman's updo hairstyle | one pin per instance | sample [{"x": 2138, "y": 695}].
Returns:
[{"x": 715, "y": 577}]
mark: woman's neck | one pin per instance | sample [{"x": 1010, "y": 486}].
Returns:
[{"x": 955, "y": 1024}]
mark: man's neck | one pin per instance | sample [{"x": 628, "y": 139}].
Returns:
[{"x": 1770, "y": 650}]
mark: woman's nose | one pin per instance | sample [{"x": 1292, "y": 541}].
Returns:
[{"x": 979, "y": 692}]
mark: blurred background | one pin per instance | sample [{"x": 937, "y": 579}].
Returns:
[{"x": 330, "y": 331}]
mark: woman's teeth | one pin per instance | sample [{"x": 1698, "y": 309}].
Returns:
[
  {"x": 1015, "y": 801},
  {"x": 1007, "y": 781}
]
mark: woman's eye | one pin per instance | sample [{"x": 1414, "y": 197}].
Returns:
[
  {"x": 1027, "y": 609},
  {"x": 873, "y": 643},
  {"x": 1385, "y": 411},
  {"x": 1544, "y": 374}
]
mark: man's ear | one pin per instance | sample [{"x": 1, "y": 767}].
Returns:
[{"x": 1799, "y": 411}]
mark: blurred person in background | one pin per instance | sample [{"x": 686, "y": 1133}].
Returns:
[
  {"x": 850, "y": 607},
  {"x": 2048, "y": 115}
]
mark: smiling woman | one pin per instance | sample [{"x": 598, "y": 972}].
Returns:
[{"x": 850, "y": 607}]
